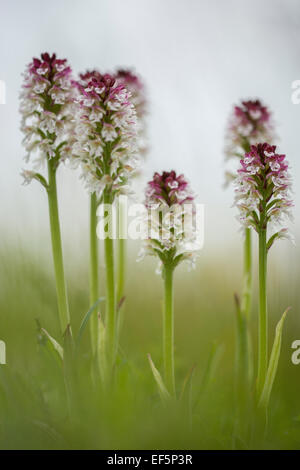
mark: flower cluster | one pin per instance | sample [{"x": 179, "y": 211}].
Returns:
[
  {"x": 135, "y": 86},
  {"x": 171, "y": 220},
  {"x": 46, "y": 108},
  {"x": 105, "y": 134},
  {"x": 251, "y": 122},
  {"x": 263, "y": 189}
]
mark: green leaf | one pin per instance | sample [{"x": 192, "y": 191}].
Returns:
[
  {"x": 101, "y": 353},
  {"x": 273, "y": 364},
  {"x": 271, "y": 240},
  {"x": 68, "y": 344},
  {"x": 237, "y": 305},
  {"x": 55, "y": 346},
  {"x": 86, "y": 319},
  {"x": 187, "y": 384},
  {"x": 70, "y": 370},
  {"x": 161, "y": 386},
  {"x": 38, "y": 177},
  {"x": 120, "y": 303},
  {"x": 255, "y": 217},
  {"x": 272, "y": 203},
  {"x": 212, "y": 364},
  {"x": 242, "y": 355},
  {"x": 215, "y": 355}
]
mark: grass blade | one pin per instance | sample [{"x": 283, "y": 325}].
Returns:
[
  {"x": 55, "y": 346},
  {"x": 215, "y": 355},
  {"x": 273, "y": 364},
  {"x": 158, "y": 379},
  {"x": 101, "y": 354},
  {"x": 212, "y": 364},
  {"x": 86, "y": 319},
  {"x": 186, "y": 386}
]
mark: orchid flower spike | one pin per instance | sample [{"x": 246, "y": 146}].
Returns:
[
  {"x": 171, "y": 221},
  {"x": 263, "y": 190},
  {"x": 251, "y": 122},
  {"x": 105, "y": 135},
  {"x": 46, "y": 109}
]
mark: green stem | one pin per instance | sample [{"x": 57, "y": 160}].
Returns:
[
  {"x": 242, "y": 384},
  {"x": 244, "y": 359},
  {"x": 263, "y": 319},
  {"x": 110, "y": 292},
  {"x": 121, "y": 268},
  {"x": 94, "y": 276},
  {"x": 246, "y": 302},
  {"x": 62, "y": 300},
  {"x": 168, "y": 329},
  {"x": 121, "y": 250}
]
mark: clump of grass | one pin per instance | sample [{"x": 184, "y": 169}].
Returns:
[{"x": 32, "y": 392}]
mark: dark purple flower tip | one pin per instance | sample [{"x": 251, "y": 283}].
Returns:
[
  {"x": 264, "y": 157},
  {"x": 49, "y": 67},
  {"x": 250, "y": 122},
  {"x": 47, "y": 58},
  {"x": 128, "y": 77},
  {"x": 94, "y": 84},
  {"x": 133, "y": 83},
  {"x": 168, "y": 187},
  {"x": 89, "y": 74},
  {"x": 252, "y": 111}
]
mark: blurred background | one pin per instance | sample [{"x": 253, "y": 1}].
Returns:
[{"x": 197, "y": 59}]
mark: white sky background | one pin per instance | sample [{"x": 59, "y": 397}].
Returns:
[{"x": 197, "y": 59}]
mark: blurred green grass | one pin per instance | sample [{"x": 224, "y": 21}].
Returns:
[{"x": 34, "y": 410}]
